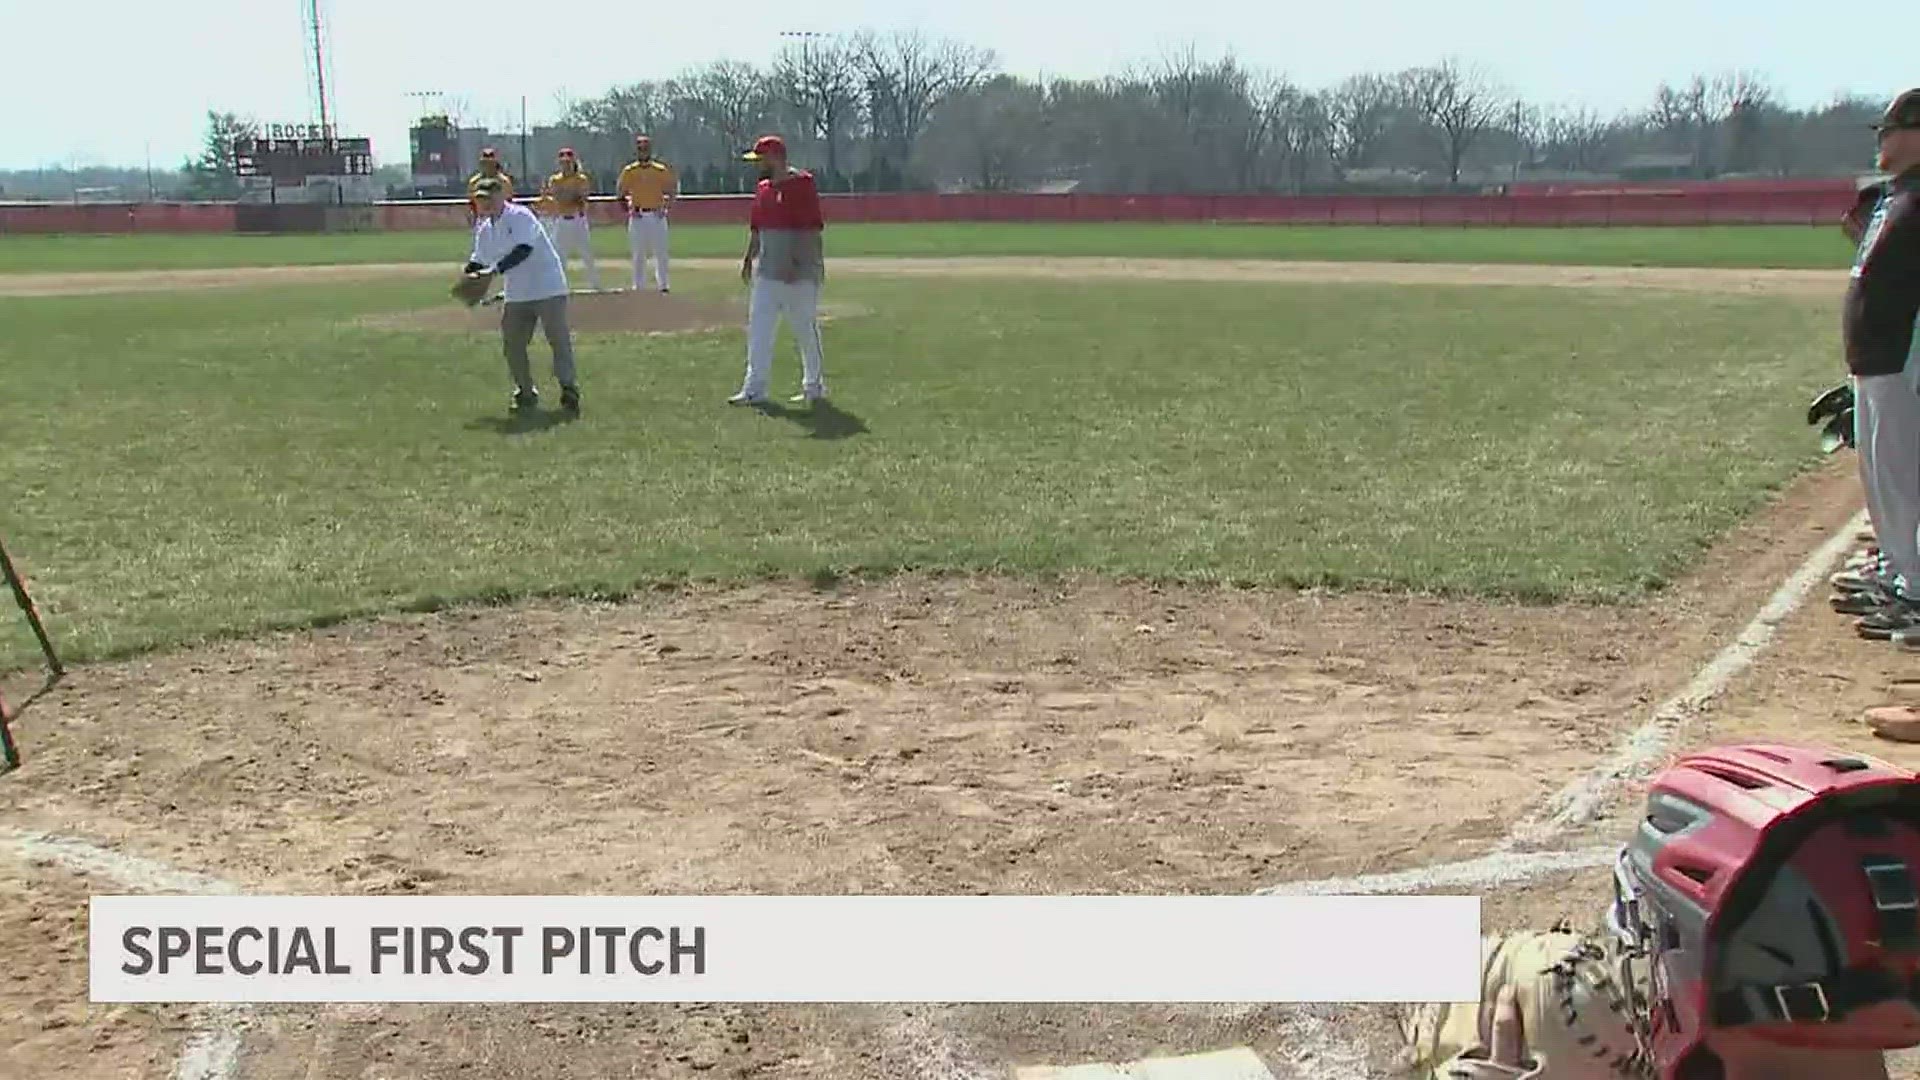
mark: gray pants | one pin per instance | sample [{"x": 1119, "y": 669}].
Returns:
[
  {"x": 1886, "y": 419},
  {"x": 516, "y": 332}
]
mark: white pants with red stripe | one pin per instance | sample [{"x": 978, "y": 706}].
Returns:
[
  {"x": 571, "y": 234},
  {"x": 799, "y": 302},
  {"x": 647, "y": 237}
]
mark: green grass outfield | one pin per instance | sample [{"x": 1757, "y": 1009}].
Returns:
[
  {"x": 1746, "y": 246},
  {"x": 192, "y": 464}
]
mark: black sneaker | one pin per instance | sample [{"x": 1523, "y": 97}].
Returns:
[
  {"x": 570, "y": 400},
  {"x": 525, "y": 401},
  {"x": 1860, "y": 603},
  {"x": 1901, "y": 613}
]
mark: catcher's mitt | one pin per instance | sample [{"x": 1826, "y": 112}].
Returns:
[
  {"x": 1838, "y": 432},
  {"x": 470, "y": 289},
  {"x": 1835, "y": 407},
  {"x": 1830, "y": 403}
]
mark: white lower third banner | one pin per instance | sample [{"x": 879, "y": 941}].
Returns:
[{"x": 784, "y": 949}]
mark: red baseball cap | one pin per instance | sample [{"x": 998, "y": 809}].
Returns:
[
  {"x": 489, "y": 152},
  {"x": 766, "y": 146}
]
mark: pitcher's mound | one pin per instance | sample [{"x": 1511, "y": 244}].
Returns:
[{"x": 644, "y": 312}]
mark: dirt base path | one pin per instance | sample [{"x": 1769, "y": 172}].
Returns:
[
  {"x": 1767, "y": 282},
  {"x": 914, "y": 736}
]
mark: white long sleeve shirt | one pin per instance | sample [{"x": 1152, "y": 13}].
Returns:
[{"x": 541, "y": 275}]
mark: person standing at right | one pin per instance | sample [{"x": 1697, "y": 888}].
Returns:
[
  {"x": 647, "y": 187},
  {"x": 1882, "y": 302},
  {"x": 566, "y": 197},
  {"x": 785, "y": 264}
]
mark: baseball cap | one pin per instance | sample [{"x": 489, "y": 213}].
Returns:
[
  {"x": 488, "y": 188},
  {"x": 489, "y": 152},
  {"x": 766, "y": 146},
  {"x": 566, "y": 151},
  {"x": 1904, "y": 112}
]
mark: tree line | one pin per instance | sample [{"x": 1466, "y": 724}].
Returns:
[{"x": 906, "y": 111}]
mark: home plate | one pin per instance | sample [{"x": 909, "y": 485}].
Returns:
[{"x": 1237, "y": 1064}]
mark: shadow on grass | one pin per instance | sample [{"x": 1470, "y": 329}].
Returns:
[
  {"x": 822, "y": 419},
  {"x": 520, "y": 425}
]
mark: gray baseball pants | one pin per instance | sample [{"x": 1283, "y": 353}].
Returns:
[
  {"x": 1886, "y": 425},
  {"x": 517, "y": 321}
]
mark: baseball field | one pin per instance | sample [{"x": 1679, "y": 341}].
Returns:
[{"x": 1124, "y": 559}]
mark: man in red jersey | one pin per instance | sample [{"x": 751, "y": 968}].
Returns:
[{"x": 785, "y": 265}]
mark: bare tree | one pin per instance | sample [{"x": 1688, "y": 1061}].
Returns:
[
  {"x": 821, "y": 81},
  {"x": 906, "y": 77},
  {"x": 1460, "y": 103},
  {"x": 992, "y": 136},
  {"x": 1573, "y": 138},
  {"x": 730, "y": 100},
  {"x": 1300, "y": 134},
  {"x": 1221, "y": 112},
  {"x": 1357, "y": 112},
  {"x": 1740, "y": 103},
  {"x": 634, "y": 109},
  {"x": 1526, "y": 125}
]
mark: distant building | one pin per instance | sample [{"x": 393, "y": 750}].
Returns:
[
  {"x": 444, "y": 155},
  {"x": 436, "y": 162}
]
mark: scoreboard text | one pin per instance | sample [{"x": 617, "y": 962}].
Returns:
[{"x": 299, "y": 158}]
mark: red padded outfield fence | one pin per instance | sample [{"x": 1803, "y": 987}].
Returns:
[{"x": 1723, "y": 203}]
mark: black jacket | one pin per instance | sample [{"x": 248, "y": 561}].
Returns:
[{"x": 1883, "y": 297}]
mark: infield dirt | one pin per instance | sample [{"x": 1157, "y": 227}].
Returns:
[{"x": 918, "y": 735}]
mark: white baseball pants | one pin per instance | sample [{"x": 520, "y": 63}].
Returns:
[
  {"x": 647, "y": 237},
  {"x": 1886, "y": 426},
  {"x": 576, "y": 234},
  {"x": 799, "y": 302}
]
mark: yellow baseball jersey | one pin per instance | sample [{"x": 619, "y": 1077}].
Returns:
[
  {"x": 503, "y": 176},
  {"x": 566, "y": 193},
  {"x": 647, "y": 184}
]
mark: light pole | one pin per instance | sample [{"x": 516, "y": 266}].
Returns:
[{"x": 812, "y": 94}]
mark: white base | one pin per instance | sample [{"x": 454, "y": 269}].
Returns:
[{"x": 1237, "y": 1064}]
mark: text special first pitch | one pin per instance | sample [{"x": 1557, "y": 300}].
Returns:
[{"x": 415, "y": 950}]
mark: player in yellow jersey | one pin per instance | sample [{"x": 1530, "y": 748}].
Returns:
[
  {"x": 490, "y": 169},
  {"x": 647, "y": 188},
  {"x": 564, "y": 202}
]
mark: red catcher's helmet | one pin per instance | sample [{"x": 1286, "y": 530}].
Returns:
[{"x": 1771, "y": 891}]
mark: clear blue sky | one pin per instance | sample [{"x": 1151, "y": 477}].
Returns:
[{"x": 148, "y": 72}]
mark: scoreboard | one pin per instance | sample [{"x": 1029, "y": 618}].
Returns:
[{"x": 291, "y": 160}]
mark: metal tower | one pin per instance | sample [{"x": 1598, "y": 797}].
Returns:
[{"x": 319, "y": 63}]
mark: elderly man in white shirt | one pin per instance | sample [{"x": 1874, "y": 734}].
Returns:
[{"x": 510, "y": 241}]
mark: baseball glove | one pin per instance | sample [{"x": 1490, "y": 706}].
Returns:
[
  {"x": 1838, "y": 432},
  {"x": 1854, "y": 223},
  {"x": 1835, "y": 407},
  {"x": 470, "y": 289},
  {"x": 1830, "y": 403}
]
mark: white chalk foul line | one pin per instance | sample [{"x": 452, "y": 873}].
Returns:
[
  {"x": 1498, "y": 868},
  {"x": 212, "y": 1051},
  {"x": 1580, "y": 801}
]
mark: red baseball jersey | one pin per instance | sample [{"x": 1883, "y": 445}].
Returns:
[{"x": 794, "y": 203}]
